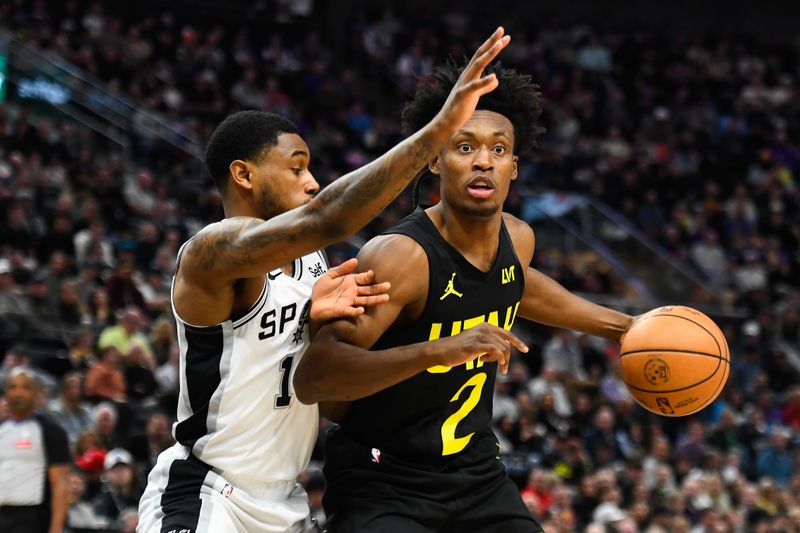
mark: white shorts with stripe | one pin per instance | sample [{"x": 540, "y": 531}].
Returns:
[{"x": 184, "y": 495}]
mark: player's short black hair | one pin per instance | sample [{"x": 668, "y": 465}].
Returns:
[
  {"x": 243, "y": 135},
  {"x": 516, "y": 97}
]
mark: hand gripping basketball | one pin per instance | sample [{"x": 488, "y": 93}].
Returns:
[{"x": 674, "y": 360}]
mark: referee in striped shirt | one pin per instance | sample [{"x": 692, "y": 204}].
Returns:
[{"x": 34, "y": 461}]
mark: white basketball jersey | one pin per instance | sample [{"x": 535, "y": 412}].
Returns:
[{"x": 237, "y": 410}]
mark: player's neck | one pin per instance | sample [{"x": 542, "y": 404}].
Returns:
[{"x": 476, "y": 238}]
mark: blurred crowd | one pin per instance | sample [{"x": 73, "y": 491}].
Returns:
[{"x": 694, "y": 139}]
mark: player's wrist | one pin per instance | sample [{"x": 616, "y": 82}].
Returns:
[
  {"x": 434, "y": 353},
  {"x": 439, "y": 130}
]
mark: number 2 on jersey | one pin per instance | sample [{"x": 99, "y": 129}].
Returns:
[
  {"x": 284, "y": 398},
  {"x": 450, "y": 443}
]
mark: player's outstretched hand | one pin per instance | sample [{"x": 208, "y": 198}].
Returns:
[
  {"x": 484, "y": 341},
  {"x": 472, "y": 84},
  {"x": 340, "y": 293}
]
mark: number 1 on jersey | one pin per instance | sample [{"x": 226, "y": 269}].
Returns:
[
  {"x": 284, "y": 398},
  {"x": 450, "y": 443}
]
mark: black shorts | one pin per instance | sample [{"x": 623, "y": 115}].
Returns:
[
  {"x": 385, "y": 494},
  {"x": 24, "y": 519}
]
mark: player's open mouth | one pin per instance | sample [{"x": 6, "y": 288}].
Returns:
[{"x": 480, "y": 188}]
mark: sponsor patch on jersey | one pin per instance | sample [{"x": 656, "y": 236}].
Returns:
[
  {"x": 376, "y": 455},
  {"x": 316, "y": 270}
]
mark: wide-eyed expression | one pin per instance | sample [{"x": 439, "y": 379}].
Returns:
[{"x": 477, "y": 165}]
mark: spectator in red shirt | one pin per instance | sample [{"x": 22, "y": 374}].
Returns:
[{"x": 540, "y": 486}]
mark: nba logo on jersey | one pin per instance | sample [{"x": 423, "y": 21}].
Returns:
[
  {"x": 227, "y": 490},
  {"x": 376, "y": 455}
]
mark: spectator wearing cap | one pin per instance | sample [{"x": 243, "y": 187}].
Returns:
[
  {"x": 609, "y": 511},
  {"x": 89, "y": 457},
  {"x": 775, "y": 461},
  {"x": 34, "y": 461},
  {"x": 120, "y": 489}
]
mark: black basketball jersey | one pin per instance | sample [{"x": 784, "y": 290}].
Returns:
[{"x": 439, "y": 413}]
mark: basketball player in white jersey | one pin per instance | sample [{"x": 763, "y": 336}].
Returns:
[{"x": 242, "y": 295}]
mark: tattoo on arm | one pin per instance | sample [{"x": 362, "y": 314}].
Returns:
[
  {"x": 379, "y": 182},
  {"x": 234, "y": 243},
  {"x": 340, "y": 209}
]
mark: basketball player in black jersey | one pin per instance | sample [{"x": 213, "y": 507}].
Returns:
[{"x": 414, "y": 452}]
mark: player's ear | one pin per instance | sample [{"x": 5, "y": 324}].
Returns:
[
  {"x": 516, "y": 168},
  {"x": 433, "y": 165},
  {"x": 240, "y": 173}
]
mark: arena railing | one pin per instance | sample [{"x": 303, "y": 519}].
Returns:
[
  {"x": 47, "y": 78},
  {"x": 572, "y": 221}
]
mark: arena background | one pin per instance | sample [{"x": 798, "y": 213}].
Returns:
[{"x": 668, "y": 174}]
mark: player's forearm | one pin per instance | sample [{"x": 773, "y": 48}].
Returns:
[
  {"x": 58, "y": 508},
  {"x": 547, "y": 302},
  {"x": 336, "y": 371},
  {"x": 349, "y": 203}
]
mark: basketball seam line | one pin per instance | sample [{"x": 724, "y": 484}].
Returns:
[
  {"x": 654, "y": 350},
  {"x": 682, "y": 388},
  {"x": 698, "y": 324}
]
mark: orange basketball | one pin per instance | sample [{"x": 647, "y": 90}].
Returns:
[{"x": 674, "y": 360}]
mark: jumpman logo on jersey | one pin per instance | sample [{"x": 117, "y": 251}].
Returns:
[{"x": 450, "y": 289}]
